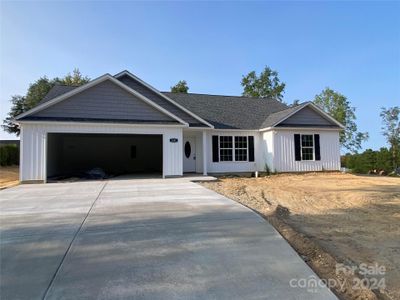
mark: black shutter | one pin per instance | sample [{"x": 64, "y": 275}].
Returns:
[
  {"x": 317, "y": 148},
  {"x": 297, "y": 149},
  {"x": 215, "y": 148},
  {"x": 251, "y": 147}
]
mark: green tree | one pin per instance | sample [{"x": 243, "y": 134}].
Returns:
[
  {"x": 18, "y": 106},
  {"x": 368, "y": 160},
  {"x": 337, "y": 105},
  {"x": 384, "y": 160},
  {"x": 35, "y": 94},
  {"x": 265, "y": 85},
  {"x": 391, "y": 130},
  {"x": 180, "y": 87},
  {"x": 74, "y": 79}
]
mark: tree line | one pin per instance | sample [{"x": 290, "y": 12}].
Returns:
[{"x": 268, "y": 85}]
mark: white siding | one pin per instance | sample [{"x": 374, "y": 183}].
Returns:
[
  {"x": 284, "y": 159},
  {"x": 267, "y": 147},
  {"x": 34, "y": 141},
  {"x": 227, "y": 167}
]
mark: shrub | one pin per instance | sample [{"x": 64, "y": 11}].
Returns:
[
  {"x": 369, "y": 160},
  {"x": 9, "y": 155}
]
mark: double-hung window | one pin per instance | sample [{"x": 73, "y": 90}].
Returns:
[
  {"x": 225, "y": 148},
  {"x": 240, "y": 148},
  {"x": 307, "y": 147},
  {"x": 233, "y": 148}
]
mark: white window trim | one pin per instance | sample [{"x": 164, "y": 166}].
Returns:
[
  {"x": 313, "y": 147},
  {"x": 247, "y": 148},
  {"x": 233, "y": 149},
  {"x": 222, "y": 148}
]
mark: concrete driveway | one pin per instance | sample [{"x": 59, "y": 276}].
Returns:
[{"x": 141, "y": 239}]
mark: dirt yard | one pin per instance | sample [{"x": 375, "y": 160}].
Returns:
[
  {"x": 9, "y": 176},
  {"x": 330, "y": 218}
]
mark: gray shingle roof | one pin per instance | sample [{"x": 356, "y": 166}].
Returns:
[
  {"x": 56, "y": 91},
  {"x": 229, "y": 112},
  {"x": 224, "y": 112}
]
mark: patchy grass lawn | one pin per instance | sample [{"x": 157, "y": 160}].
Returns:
[
  {"x": 351, "y": 219},
  {"x": 9, "y": 176}
]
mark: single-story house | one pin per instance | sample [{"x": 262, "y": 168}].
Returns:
[{"x": 124, "y": 125}]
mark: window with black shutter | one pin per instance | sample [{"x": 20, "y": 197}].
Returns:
[
  {"x": 225, "y": 148},
  {"x": 307, "y": 147},
  {"x": 215, "y": 148},
  {"x": 251, "y": 148},
  {"x": 317, "y": 147},
  {"x": 233, "y": 148},
  {"x": 297, "y": 147},
  {"x": 240, "y": 148}
]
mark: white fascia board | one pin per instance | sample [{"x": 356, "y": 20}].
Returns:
[
  {"x": 199, "y": 128},
  {"x": 239, "y": 130},
  {"x": 120, "y": 74},
  {"x": 94, "y": 83},
  {"x": 300, "y": 128},
  {"x": 266, "y": 129},
  {"x": 101, "y": 123}
]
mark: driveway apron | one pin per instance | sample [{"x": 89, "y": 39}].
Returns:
[{"x": 142, "y": 239}]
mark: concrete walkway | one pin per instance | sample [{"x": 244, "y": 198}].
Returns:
[{"x": 141, "y": 239}]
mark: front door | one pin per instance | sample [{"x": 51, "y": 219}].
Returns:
[{"x": 189, "y": 154}]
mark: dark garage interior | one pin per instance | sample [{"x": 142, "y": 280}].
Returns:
[{"x": 75, "y": 154}]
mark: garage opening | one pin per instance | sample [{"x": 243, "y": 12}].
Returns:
[{"x": 77, "y": 155}]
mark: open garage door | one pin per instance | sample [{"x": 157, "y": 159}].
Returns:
[{"x": 74, "y": 154}]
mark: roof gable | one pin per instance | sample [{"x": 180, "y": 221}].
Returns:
[
  {"x": 106, "y": 93},
  {"x": 304, "y": 115},
  {"x": 104, "y": 101}
]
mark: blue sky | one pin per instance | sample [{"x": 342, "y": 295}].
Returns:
[{"x": 352, "y": 47}]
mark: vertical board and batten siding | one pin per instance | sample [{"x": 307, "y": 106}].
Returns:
[
  {"x": 105, "y": 101},
  {"x": 267, "y": 151},
  {"x": 232, "y": 166},
  {"x": 34, "y": 144},
  {"x": 284, "y": 152},
  {"x": 306, "y": 116}
]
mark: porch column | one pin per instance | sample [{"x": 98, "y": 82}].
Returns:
[{"x": 204, "y": 153}]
